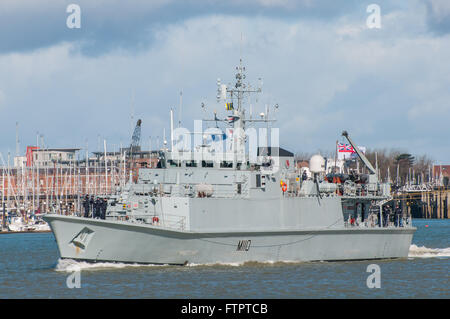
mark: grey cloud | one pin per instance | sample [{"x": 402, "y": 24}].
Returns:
[
  {"x": 27, "y": 25},
  {"x": 438, "y": 16},
  {"x": 322, "y": 82}
]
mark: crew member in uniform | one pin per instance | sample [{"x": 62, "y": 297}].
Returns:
[
  {"x": 86, "y": 204},
  {"x": 398, "y": 214},
  {"x": 98, "y": 208},
  {"x": 92, "y": 205},
  {"x": 104, "y": 207},
  {"x": 386, "y": 213}
]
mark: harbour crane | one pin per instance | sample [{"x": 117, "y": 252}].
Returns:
[
  {"x": 135, "y": 145},
  {"x": 136, "y": 138}
]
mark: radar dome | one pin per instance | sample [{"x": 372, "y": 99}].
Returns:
[{"x": 317, "y": 164}]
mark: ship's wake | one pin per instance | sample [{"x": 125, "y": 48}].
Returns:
[
  {"x": 245, "y": 263},
  {"x": 70, "y": 265},
  {"x": 425, "y": 252}
]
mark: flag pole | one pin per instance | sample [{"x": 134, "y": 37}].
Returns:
[{"x": 335, "y": 157}]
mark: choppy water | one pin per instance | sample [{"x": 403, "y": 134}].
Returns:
[{"x": 30, "y": 268}]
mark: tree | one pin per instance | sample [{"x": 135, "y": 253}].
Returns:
[
  {"x": 405, "y": 159},
  {"x": 389, "y": 161},
  {"x": 404, "y": 163}
]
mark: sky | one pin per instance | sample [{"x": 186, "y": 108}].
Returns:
[{"x": 389, "y": 87}]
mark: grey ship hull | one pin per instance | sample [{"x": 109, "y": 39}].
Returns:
[{"x": 102, "y": 240}]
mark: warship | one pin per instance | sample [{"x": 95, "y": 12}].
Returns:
[{"x": 207, "y": 205}]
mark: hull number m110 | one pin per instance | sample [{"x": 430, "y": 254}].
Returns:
[{"x": 243, "y": 245}]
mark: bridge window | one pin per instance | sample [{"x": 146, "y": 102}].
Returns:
[
  {"x": 191, "y": 164},
  {"x": 207, "y": 164},
  {"x": 174, "y": 163},
  {"x": 225, "y": 164}
]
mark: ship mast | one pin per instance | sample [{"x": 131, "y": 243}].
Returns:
[{"x": 233, "y": 96}]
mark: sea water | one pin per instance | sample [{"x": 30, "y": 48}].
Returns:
[{"x": 30, "y": 268}]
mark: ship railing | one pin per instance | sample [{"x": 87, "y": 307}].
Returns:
[
  {"x": 298, "y": 194},
  {"x": 200, "y": 194},
  {"x": 223, "y": 194},
  {"x": 229, "y": 194},
  {"x": 404, "y": 222},
  {"x": 166, "y": 220}
]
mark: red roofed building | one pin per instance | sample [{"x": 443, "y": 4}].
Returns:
[{"x": 445, "y": 169}]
